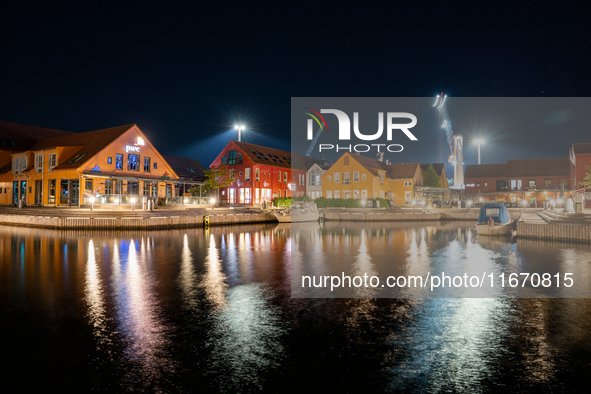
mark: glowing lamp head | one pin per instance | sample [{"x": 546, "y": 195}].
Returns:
[
  {"x": 423, "y": 202},
  {"x": 240, "y": 127},
  {"x": 524, "y": 203},
  {"x": 469, "y": 202},
  {"x": 480, "y": 199},
  {"x": 479, "y": 141},
  {"x": 133, "y": 200},
  {"x": 91, "y": 200},
  {"x": 414, "y": 202},
  {"x": 363, "y": 202},
  {"x": 212, "y": 201}
]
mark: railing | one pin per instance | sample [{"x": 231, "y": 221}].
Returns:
[{"x": 117, "y": 199}]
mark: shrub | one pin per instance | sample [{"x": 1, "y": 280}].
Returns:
[{"x": 282, "y": 202}]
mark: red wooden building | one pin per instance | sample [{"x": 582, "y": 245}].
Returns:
[{"x": 262, "y": 174}]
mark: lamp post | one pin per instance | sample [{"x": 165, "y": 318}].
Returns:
[
  {"x": 240, "y": 129},
  {"x": 478, "y": 142}
]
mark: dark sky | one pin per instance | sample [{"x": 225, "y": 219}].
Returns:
[{"x": 186, "y": 72}]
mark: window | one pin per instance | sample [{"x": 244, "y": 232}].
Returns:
[
  {"x": 109, "y": 160},
  {"x": 155, "y": 165},
  {"x": 23, "y": 163},
  {"x": 513, "y": 184},
  {"x": 485, "y": 183},
  {"x": 548, "y": 182},
  {"x": 119, "y": 161},
  {"x": 232, "y": 157},
  {"x": 88, "y": 185},
  {"x": 477, "y": 183},
  {"x": 563, "y": 182},
  {"x": 279, "y": 176},
  {"x": 146, "y": 164},
  {"x": 337, "y": 177},
  {"x": 109, "y": 186},
  {"x": 337, "y": 194},
  {"x": 329, "y": 194},
  {"x": 502, "y": 185},
  {"x": 247, "y": 175},
  {"x": 363, "y": 177},
  {"x": 409, "y": 184},
  {"x": 356, "y": 176},
  {"x": 257, "y": 174},
  {"x": 16, "y": 165},
  {"x": 346, "y": 179},
  {"x": 519, "y": 184},
  {"x": 285, "y": 177},
  {"x": 239, "y": 158},
  {"x": 364, "y": 194},
  {"x": 224, "y": 160},
  {"x": 532, "y": 183},
  {"x": 382, "y": 177},
  {"x": 38, "y": 164},
  {"x": 133, "y": 162},
  {"x": 51, "y": 191},
  {"x": 356, "y": 194},
  {"x": 328, "y": 178}
]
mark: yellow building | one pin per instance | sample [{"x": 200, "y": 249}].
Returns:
[
  {"x": 405, "y": 177},
  {"x": 117, "y": 166},
  {"x": 360, "y": 177}
]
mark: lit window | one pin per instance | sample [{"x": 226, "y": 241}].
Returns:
[
  {"x": 109, "y": 160},
  {"x": 146, "y": 164},
  {"x": 119, "y": 161},
  {"x": 133, "y": 162}
]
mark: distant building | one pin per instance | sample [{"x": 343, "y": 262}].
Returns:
[
  {"x": 315, "y": 168},
  {"x": 262, "y": 174},
  {"x": 360, "y": 177},
  {"x": 516, "y": 180},
  {"x": 580, "y": 158},
  {"x": 190, "y": 172}
]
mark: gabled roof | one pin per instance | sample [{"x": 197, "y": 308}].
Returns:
[
  {"x": 20, "y": 137},
  {"x": 402, "y": 171},
  {"x": 190, "y": 170},
  {"x": 90, "y": 142},
  {"x": 559, "y": 166},
  {"x": 438, "y": 167},
  {"x": 582, "y": 149},
  {"x": 486, "y": 170},
  {"x": 307, "y": 162},
  {"x": 372, "y": 165}
]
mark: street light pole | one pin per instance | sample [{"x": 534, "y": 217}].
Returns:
[
  {"x": 478, "y": 142},
  {"x": 240, "y": 128}
]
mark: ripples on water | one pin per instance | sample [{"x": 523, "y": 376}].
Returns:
[{"x": 210, "y": 311}]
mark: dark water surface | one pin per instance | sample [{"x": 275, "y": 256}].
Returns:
[{"x": 210, "y": 311}]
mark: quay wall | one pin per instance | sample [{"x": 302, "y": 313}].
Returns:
[
  {"x": 162, "y": 222},
  {"x": 560, "y": 232},
  {"x": 396, "y": 217}
]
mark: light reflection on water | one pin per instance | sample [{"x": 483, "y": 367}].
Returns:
[{"x": 188, "y": 310}]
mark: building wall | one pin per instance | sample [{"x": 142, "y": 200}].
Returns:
[
  {"x": 486, "y": 188},
  {"x": 268, "y": 186}
]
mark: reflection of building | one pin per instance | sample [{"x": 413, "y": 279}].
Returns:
[
  {"x": 360, "y": 177},
  {"x": 262, "y": 174},
  {"x": 529, "y": 179},
  {"x": 49, "y": 167}
]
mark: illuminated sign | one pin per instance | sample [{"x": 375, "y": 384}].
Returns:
[
  {"x": 470, "y": 185},
  {"x": 95, "y": 169},
  {"x": 139, "y": 141},
  {"x": 129, "y": 148}
]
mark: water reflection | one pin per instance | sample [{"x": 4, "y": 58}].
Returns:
[{"x": 190, "y": 311}]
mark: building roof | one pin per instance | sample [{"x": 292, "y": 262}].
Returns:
[
  {"x": 307, "y": 162},
  {"x": 402, "y": 171},
  {"x": 372, "y": 165},
  {"x": 90, "y": 143},
  {"x": 486, "y": 170},
  {"x": 20, "y": 137},
  {"x": 263, "y": 155},
  {"x": 559, "y": 166},
  {"x": 438, "y": 167},
  {"x": 582, "y": 149},
  {"x": 190, "y": 170}
]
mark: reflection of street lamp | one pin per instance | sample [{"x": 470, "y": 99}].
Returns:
[
  {"x": 479, "y": 141},
  {"x": 240, "y": 129}
]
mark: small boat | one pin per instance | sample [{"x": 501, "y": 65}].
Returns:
[
  {"x": 494, "y": 220},
  {"x": 299, "y": 211}
]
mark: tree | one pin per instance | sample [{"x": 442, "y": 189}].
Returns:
[
  {"x": 587, "y": 179},
  {"x": 218, "y": 177},
  {"x": 431, "y": 178}
]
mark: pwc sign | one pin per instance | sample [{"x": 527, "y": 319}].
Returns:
[{"x": 394, "y": 123}]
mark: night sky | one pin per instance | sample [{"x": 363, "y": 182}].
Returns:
[{"x": 185, "y": 73}]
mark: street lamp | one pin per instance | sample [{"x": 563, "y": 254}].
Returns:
[
  {"x": 479, "y": 141},
  {"x": 91, "y": 200},
  {"x": 240, "y": 128},
  {"x": 132, "y": 200}
]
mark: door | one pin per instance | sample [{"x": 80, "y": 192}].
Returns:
[
  {"x": 38, "y": 192},
  {"x": 74, "y": 192}
]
